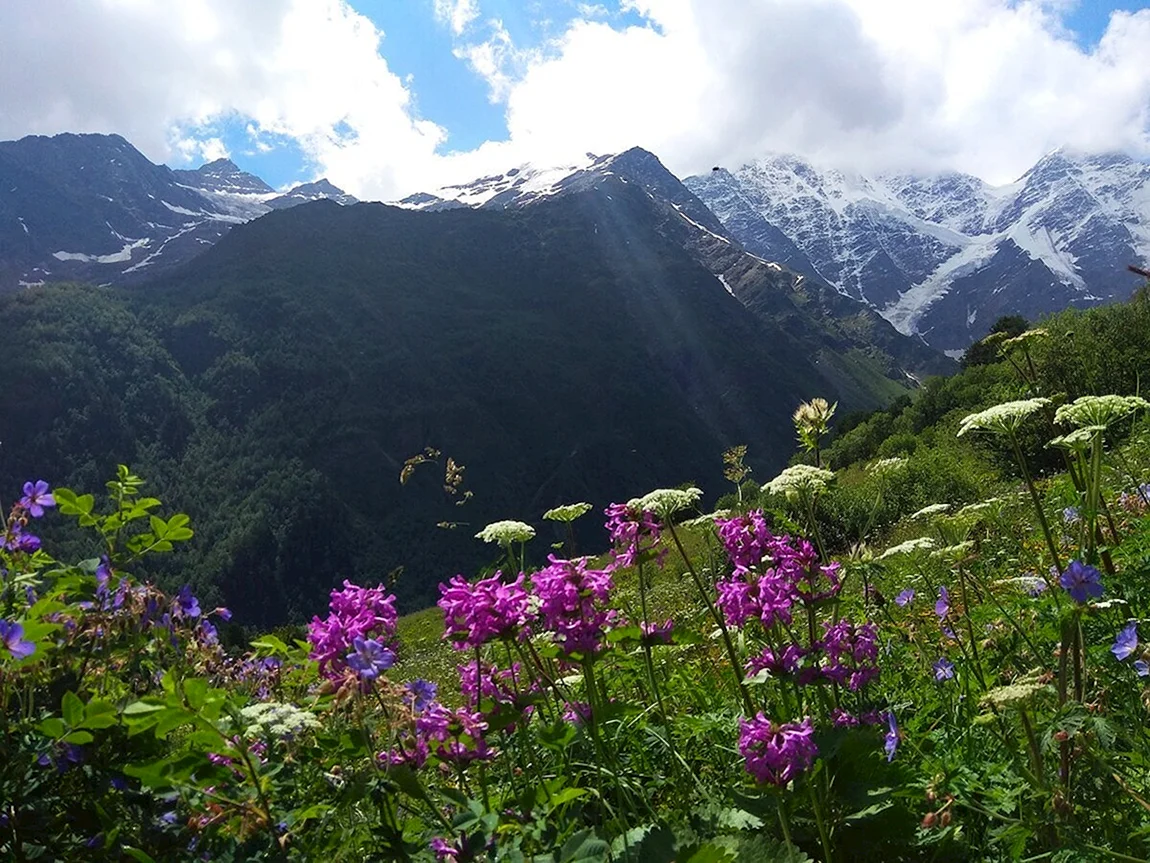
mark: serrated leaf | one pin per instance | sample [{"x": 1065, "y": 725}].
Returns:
[{"x": 584, "y": 847}]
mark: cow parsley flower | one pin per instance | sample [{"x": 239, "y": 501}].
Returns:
[
  {"x": 922, "y": 543},
  {"x": 933, "y": 509},
  {"x": 665, "y": 502},
  {"x": 1099, "y": 410},
  {"x": 275, "y": 719},
  {"x": 1002, "y": 419},
  {"x": 568, "y": 512},
  {"x": 506, "y": 532},
  {"x": 886, "y": 466},
  {"x": 800, "y": 479}
]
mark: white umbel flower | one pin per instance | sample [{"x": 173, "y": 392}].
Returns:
[
  {"x": 1002, "y": 419},
  {"x": 277, "y": 720},
  {"x": 885, "y": 466},
  {"x": 1099, "y": 410},
  {"x": 568, "y": 512},
  {"x": 665, "y": 502},
  {"x": 922, "y": 543},
  {"x": 933, "y": 509},
  {"x": 506, "y": 532},
  {"x": 798, "y": 479}
]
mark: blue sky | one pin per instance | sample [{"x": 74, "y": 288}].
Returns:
[{"x": 388, "y": 97}]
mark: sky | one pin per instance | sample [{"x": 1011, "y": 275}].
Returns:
[{"x": 388, "y": 97}]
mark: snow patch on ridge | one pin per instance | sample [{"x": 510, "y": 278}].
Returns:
[{"x": 122, "y": 256}]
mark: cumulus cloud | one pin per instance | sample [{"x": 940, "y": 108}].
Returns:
[{"x": 983, "y": 86}]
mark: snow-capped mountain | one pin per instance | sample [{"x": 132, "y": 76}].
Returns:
[
  {"x": 93, "y": 208},
  {"x": 830, "y": 325},
  {"x": 944, "y": 256}
]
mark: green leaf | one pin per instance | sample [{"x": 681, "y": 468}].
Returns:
[
  {"x": 196, "y": 691},
  {"x": 708, "y": 852},
  {"x": 53, "y": 727},
  {"x": 137, "y": 708},
  {"x": 137, "y": 854},
  {"x": 79, "y": 737},
  {"x": 584, "y": 847},
  {"x": 272, "y": 644},
  {"x": 73, "y": 709},
  {"x": 171, "y": 719}
]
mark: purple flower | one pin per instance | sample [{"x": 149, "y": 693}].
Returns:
[
  {"x": 189, "y": 605},
  {"x": 905, "y": 597},
  {"x": 628, "y": 530},
  {"x": 420, "y": 694},
  {"x": 1126, "y": 642},
  {"x": 1142, "y": 667},
  {"x": 890, "y": 740},
  {"x": 776, "y": 753},
  {"x": 1071, "y": 515},
  {"x": 224, "y": 614},
  {"x": 1081, "y": 581},
  {"x": 657, "y": 633},
  {"x": 36, "y": 498},
  {"x": 12, "y": 636},
  {"x": 210, "y": 633},
  {"x": 370, "y": 658},
  {"x": 942, "y": 606},
  {"x": 572, "y": 600},
  {"x": 20, "y": 540},
  {"x": 477, "y": 613},
  {"x": 356, "y": 612},
  {"x": 943, "y": 669}
]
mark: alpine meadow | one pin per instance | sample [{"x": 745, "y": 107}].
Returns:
[{"x": 399, "y": 463}]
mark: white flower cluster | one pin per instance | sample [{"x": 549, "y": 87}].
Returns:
[
  {"x": 1023, "y": 339},
  {"x": 506, "y": 532},
  {"x": 922, "y": 543},
  {"x": 276, "y": 719},
  {"x": 799, "y": 478},
  {"x": 567, "y": 512},
  {"x": 666, "y": 501},
  {"x": 933, "y": 509},
  {"x": 1079, "y": 439},
  {"x": 1002, "y": 419},
  {"x": 1099, "y": 410},
  {"x": 707, "y": 520},
  {"x": 886, "y": 466}
]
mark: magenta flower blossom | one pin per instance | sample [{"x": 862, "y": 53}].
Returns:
[
  {"x": 355, "y": 612},
  {"x": 36, "y": 498},
  {"x": 787, "y": 662},
  {"x": 494, "y": 684},
  {"x": 746, "y": 538},
  {"x": 12, "y": 637},
  {"x": 942, "y": 606},
  {"x": 1126, "y": 642},
  {"x": 454, "y": 735},
  {"x": 489, "y": 609},
  {"x": 904, "y": 598},
  {"x": 851, "y": 653},
  {"x": 1081, "y": 581},
  {"x": 943, "y": 669},
  {"x": 628, "y": 529},
  {"x": 657, "y": 633},
  {"x": 369, "y": 659},
  {"x": 776, "y": 753},
  {"x": 572, "y": 601}
]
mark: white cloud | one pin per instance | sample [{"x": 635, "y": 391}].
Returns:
[
  {"x": 201, "y": 149},
  {"x": 984, "y": 86},
  {"x": 457, "y": 14}
]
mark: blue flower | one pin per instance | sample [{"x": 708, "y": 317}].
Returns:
[
  {"x": 1071, "y": 515},
  {"x": 1126, "y": 642},
  {"x": 36, "y": 498},
  {"x": 1081, "y": 581},
  {"x": 370, "y": 658},
  {"x": 942, "y": 606},
  {"x": 1142, "y": 667},
  {"x": 189, "y": 605},
  {"x": 421, "y": 694},
  {"x": 12, "y": 637},
  {"x": 890, "y": 741},
  {"x": 943, "y": 669},
  {"x": 905, "y": 597}
]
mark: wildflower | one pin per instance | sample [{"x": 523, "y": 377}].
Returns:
[
  {"x": 665, "y": 502},
  {"x": 657, "y": 633},
  {"x": 1023, "y": 339},
  {"x": 568, "y": 512},
  {"x": 36, "y": 498},
  {"x": 905, "y": 597},
  {"x": 812, "y": 420},
  {"x": 886, "y": 466},
  {"x": 842, "y": 719},
  {"x": 1071, "y": 515},
  {"x": 1142, "y": 667},
  {"x": 799, "y": 479},
  {"x": 776, "y": 753},
  {"x": 488, "y": 682},
  {"x": 1078, "y": 440},
  {"x": 933, "y": 509},
  {"x": 1081, "y": 581},
  {"x": 571, "y": 603},
  {"x": 1126, "y": 642},
  {"x": 1004, "y": 418},
  {"x": 943, "y": 669},
  {"x": 506, "y": 532},
  {"x": 922, "y": 543},
  {"x": 628, "y": 528},
  {"x": 277, "y": 719},
  {"x": 890, "y": 739},
  {"x": 224, "y": 614},
  {"x": 444, "y": 851},
  {"x": 189, "y": 606},
  {"x": 420, "y": 694},
  {"x": 19, "y": 539},
  {"x": 355, "y": 612},
  {"x": 942, "y": 605},
  {"x": 857, "y": 645},
  {"x": 488, "y": 609},
  {"x": 12, "y": 637},
  {"x": 1020, "y": 693},
  {"x": 746, "y": 539},
  {"x": 1099, "y": 410},
  {"x": 370, "y": 658}
]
